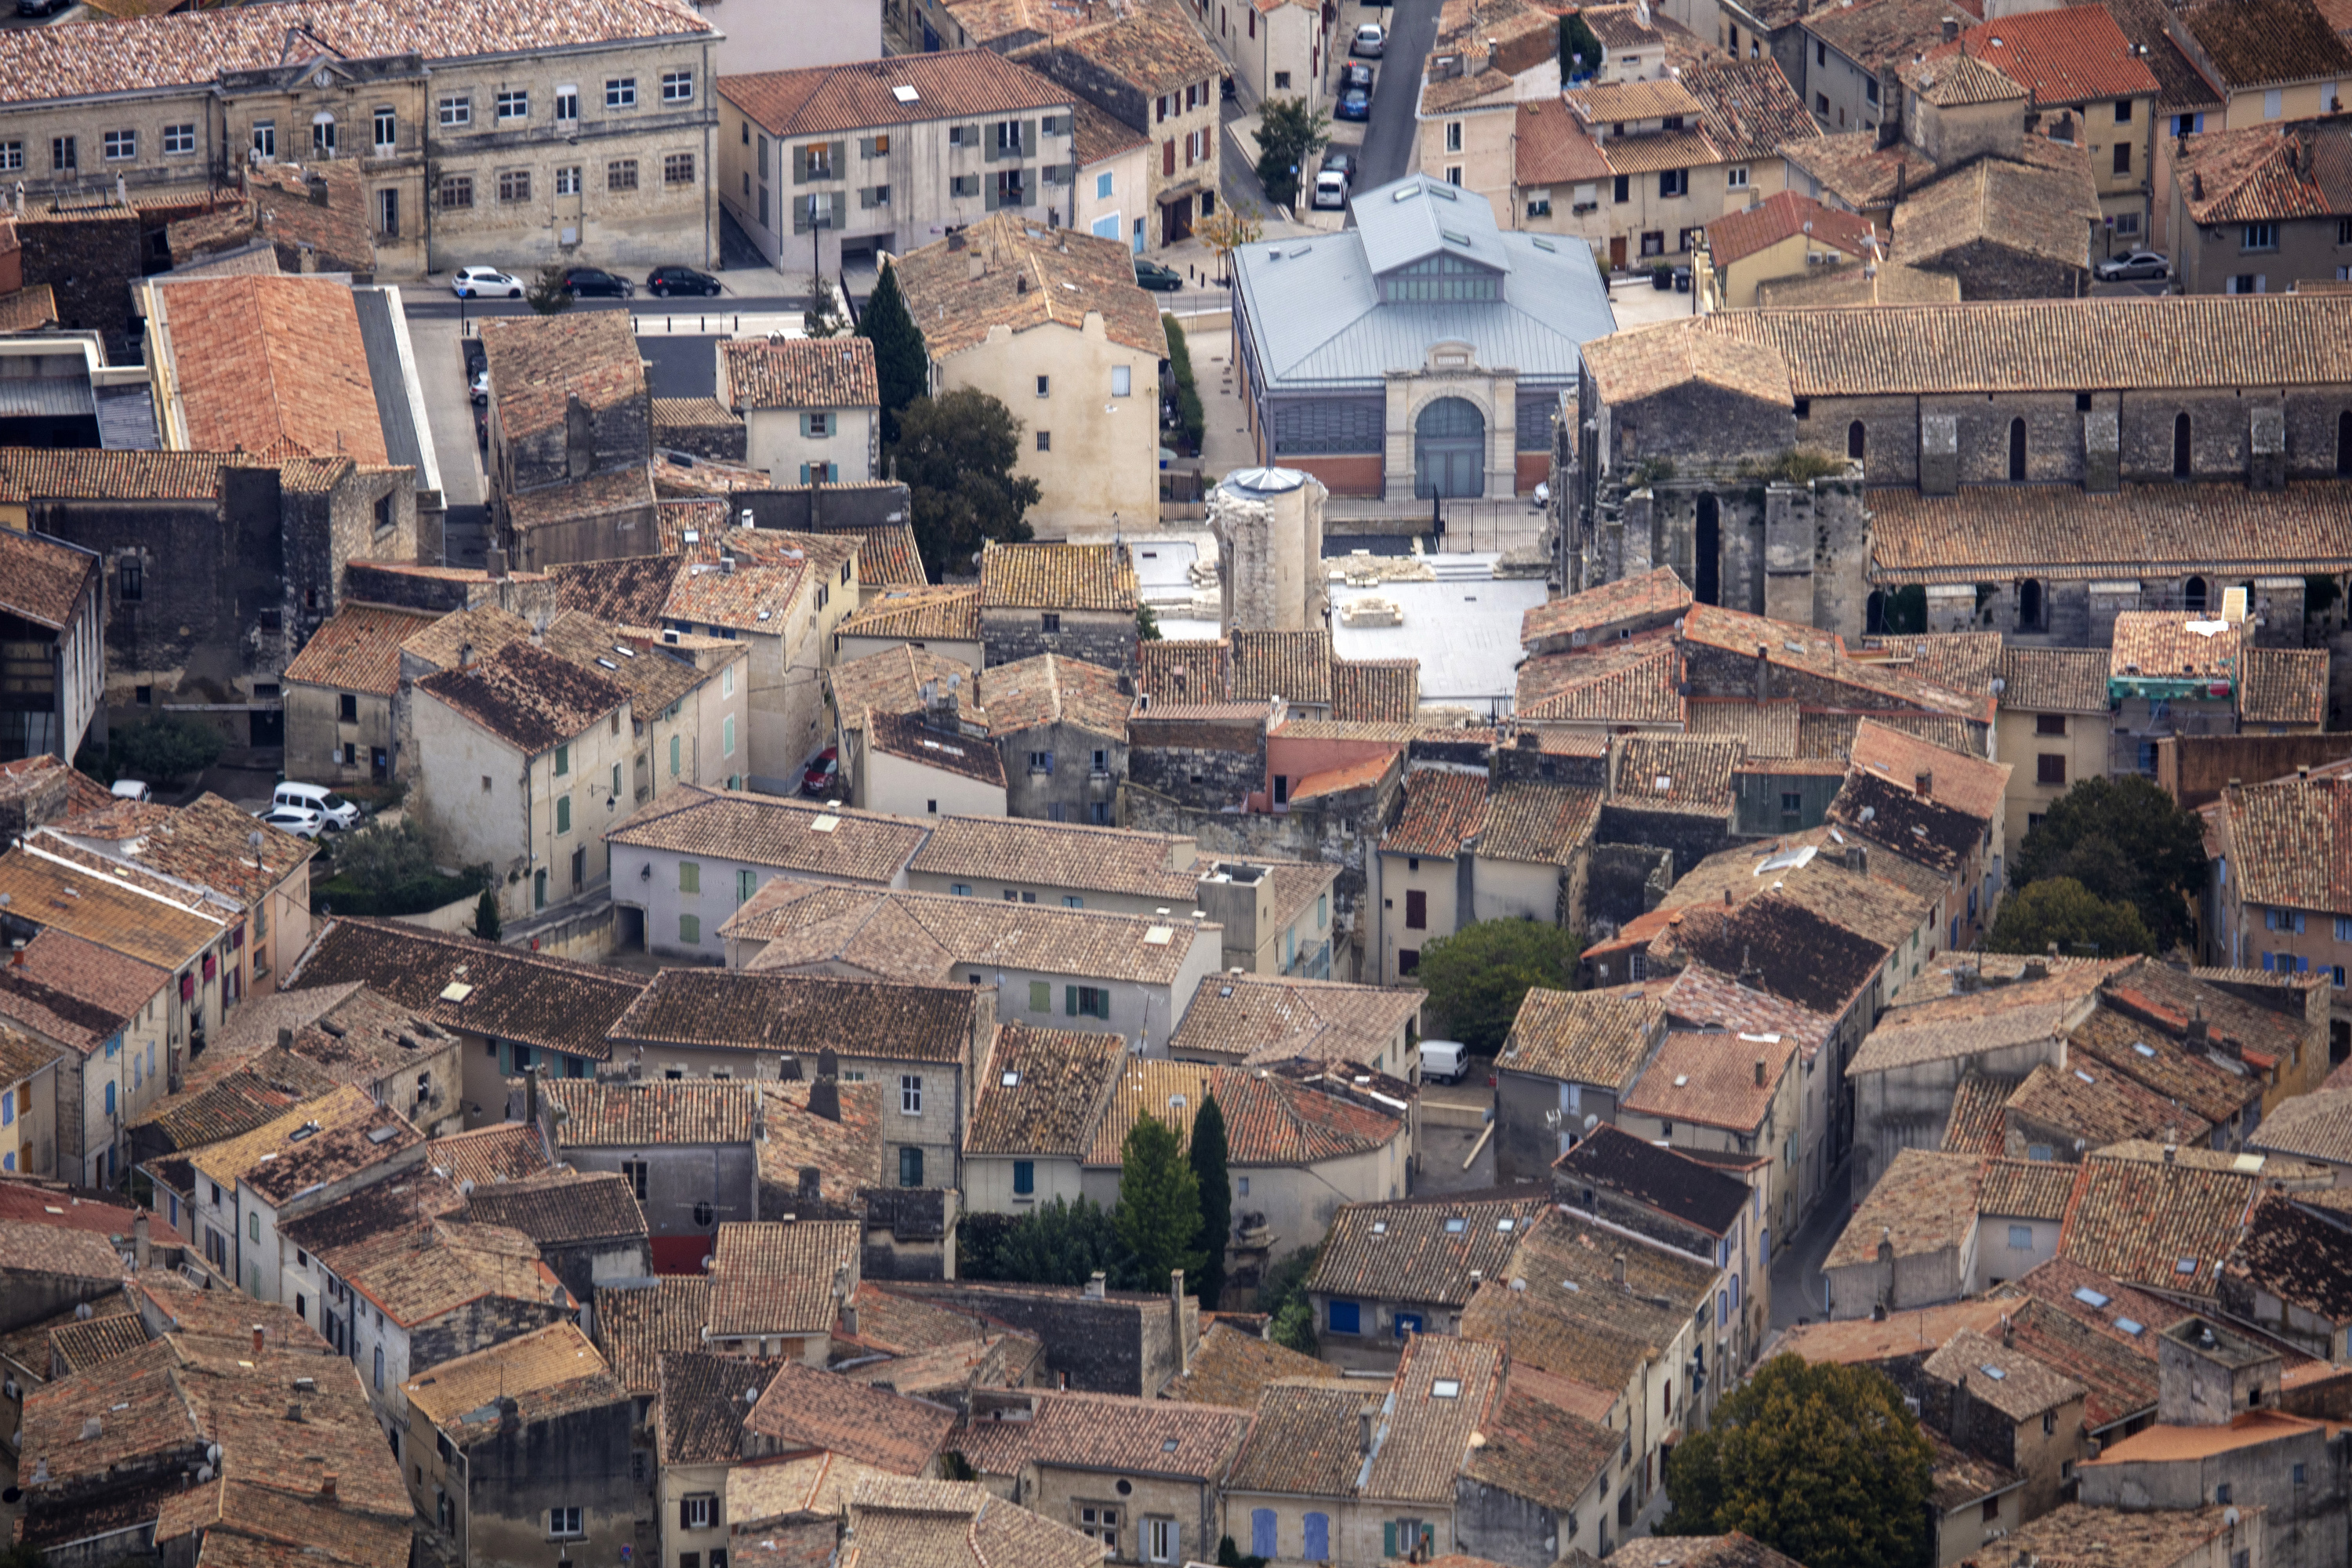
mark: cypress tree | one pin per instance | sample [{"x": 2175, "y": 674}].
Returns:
[
  {"x": 1208, "y": 1160},
  {"x": 901, "y": 363}
]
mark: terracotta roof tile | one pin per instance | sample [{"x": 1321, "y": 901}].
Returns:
[
  {"x": 2284, "y": 686},
  {"x": 1304, "y": 1440},
  {"x": 637, "y": 1324},
  {"x": 2083, "y": 1537},
  {"x": 1600, "y": 1037},
  {"x": 2262, "y": 43},
  {"x": 1271, "y": 1118},
  {"x": 943, "y": 613},
  {"x": 1445, "y": 1391},
  {"x": 528, "y": 696},
  {"x": 2120, "y": 1381},
  {"x": 2054, "y": 680},
  {"x": 1256, "y": 1018},
  {"x": 357, "y": 649},
  {"x": 539, "y": 364},
  {"x": 1976, "y": 1125},
  {"x": 2023, "y": 1388},
  {"x": 861, "y": 95},
  {"x": 1641, "y": 603},
  {"x": 1376, "y": 690},
  {"x": 631, "y": 591},
  {"x": 1044, "y": 1091},
  {"x": 799, "y": 372},
  {"x": 1752, "y": 110},
  {"x": 1553, "y": 148},
  {"x": 1627, "y": 683},
  {"x": 2056, "y": 534},
  {"x": 510, "y": 1151},
  {"x": 2067, "y": 55},
  {"x": 1923, "y": 1204},
  {"x": 1442, "y": 810},
  {"x": 1422, "y": 1249},
  {"x": 2043, "y": 213},
  {"x": 2160, "y": 644},
  {"x": 1538, "y": 1446},
  {"x": 2265, "y": 174},
  {"x": 1546, "y": 824},
  {"x": 770, "y": 1278},
  {"x": 85, "y": 903},
  {"x": 551, "y": 1372},
  {"x": 207, "y": 842},
  {"x": 1186, "y": 669},
  {"x": 948, "y": 1525},
  {"x": 1294, "y": 665},
  {"x": 1780, "y": 946},
  {"x": 774, "y": 830},
  {"x": 271, "y": 364},
  {"x": 1668, "y": 773},
  {"x": 1074, "y": 855},
  {"x": 2167, "y": 1225},
  {"x": 800, "y": 1014},
  {"x": 2299, "y": 1257},
  {"x": 1106, "y": 1432},
  {"x": 2150, "y": 1052},
  {"x": 1231, "y": 1368},
  {"x": 1094, "y": 136},
  {"x": 1148, "y": 49},
  {"x": 535, "y": 998},
  {"x": 2026, "y": 1189},
  {"x": 909, "y": 737},
  {"x": 1051, "y": 688},
  {"x": 1739, "y": 235},
  {"x": 2316, "y": 1126},
  {"x": 957, "y": 311},
  {"x": 1950, "y": 777},
  {"x": 1631, "y": 365},
  {"x": 804, "y": 1408},
  {"x": 1057, "y": 576},
  {"x": 43, "y": 579},
  {"x": 1960, "y": 81},
  {"x": 1931, "y": 1025},
  {"x": 2292, "y": 843},
  {"x": 1710, "y": 1078}
]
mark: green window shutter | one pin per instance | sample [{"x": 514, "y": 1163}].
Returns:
[
  {"x": 840, "y": 159},
  {"x": 563, "y": 759},
  {"x": 1070, "y": 1001},
  {"x": 805, "y": 431},
  {"x": 689, "y": 876},
  {"x": 1041, "y": 996},
  {"x": 746, "y": 884},
  {"x": 804, "y": 473},
  {"x": 1387, "y": 1538},
  {"x": 563, "y": 814},
  {"x": 673, "y": 756},
  {"x": 689, "y": 930},
  {"x": 800, "y": 166},
  {"x": 1029, "y": 143}
]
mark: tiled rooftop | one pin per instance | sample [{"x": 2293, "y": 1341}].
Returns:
[
  {"x": 539, "y": 364},
  {"x": 1271, "y": 1118},
  {"x": 357, "y": 649},
  {"x": 774, "y": 1279},
  {"x": 774, "y": 830},
  {"x": 637, "y": 1324},
  {"x": 907, "y": 89},
  {"x": 2161, "y": 1223},
  {"x": 1923, "y": 1204},
  {"x": 2069, "y": 55},
  {"x": 58, "y": 896},
  {"x": 270, "y": 364},
  {"x": 806, "y": 1408},
  {"x": 551, "y": 1371},
  {"x": 528, "y": 696},
  {"x": 1052, "y": 690},
  {"x": 1044, "y": 1091},
  {"x": 1711, "y": 1079},
  {"x": 951, "y": 1524},
  {"x": 801, "y": 1015},
  {"x": 1442, "y": 809},
  {"x": 1233, "y": 1368},
  {"x": 1060, "y": 855},
  {"x": 1420, "y": 1250},
  {"x": 797, "y": 373},
  {"x": 1107, "y": 1433},
  {"x": 911, "y": 737},
  {"x": 1057, "y": 576},
  {"x": 1249, "y": 1016}
]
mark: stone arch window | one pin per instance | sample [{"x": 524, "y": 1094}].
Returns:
[
  {"x": 2193, "y": 594},
  {"x": 2181, "y": 446},
  {"x": 322, "y": 134},
  {"x": 2344, "y": 442},
  {"x": 1857, "y": 439},
  {"x": 2032, "y": 608},
  {"x": 2016, "y": 449},
  {"x": 1450, "y": 450}
]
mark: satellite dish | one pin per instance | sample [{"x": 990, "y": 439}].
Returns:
[{"x": 1592, "y": 1121}]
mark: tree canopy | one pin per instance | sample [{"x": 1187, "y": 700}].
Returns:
[
  {"x": 2124, "y": 841},
  {"x": 1054, "y": 1244},
  {"x": 547, "y": 294},
  {"x": 1158, "y": 1213},
  {"x": 901, "y": 363},
  {"x": 823, "y": 319},
  {"x": 2061, "y": 910},
  {"x": 1820, "y": 1462},
  {"x": 956, "y": 453},
  {"x": 1579, "y": 48},
  {"x": 1477, "y": 977},
  {"x": 1290, "y": 132},
  {"x": 1207, "y": 1158},
  {"x": 168, "y": 746}
]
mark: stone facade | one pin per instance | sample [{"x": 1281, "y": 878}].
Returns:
[{"x": 1106, "y": 637}]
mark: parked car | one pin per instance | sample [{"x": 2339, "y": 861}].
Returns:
[
  {"x": 663, "y": 281},
  {"x": 337, "y": 812},
  {"x": 484, "y": 282},
  {"x": 818, "y": 782},
  {"x": 1354, "y": 104},
  {"x": 1342, "y": 162},
  {"x": 1153, "y": 276},
  {"x": 596, "y": 283},
  {"x": 299, "y": 821},
  {"x": 1330, "y": 191},
  {"x": 40, "y": 7},
  {"x": 1371, "y": 39},
  {"x": 1355, "y": 73},
  {"x": 131, "y": 789},
  {"x": 2132, "y": 264},
  {"x": 479, "y": 386},
  {"x": 1443, "y": 1061}
]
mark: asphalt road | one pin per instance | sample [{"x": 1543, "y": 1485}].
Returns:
[{"x": 1389, "y": 135}]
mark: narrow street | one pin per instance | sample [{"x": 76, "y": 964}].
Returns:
[{"x": 1797, "y": 1261}]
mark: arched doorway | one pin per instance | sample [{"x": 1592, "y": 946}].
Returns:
[
  {"x": 2016, "y": 450},
  {"x": 2181, "y": 446},
  {"x": 2028, "y": 606},
  {"x": 1857, "y": 440},
  {"x": 2192, "y": 595},
  {"x": 1707, "y": 542},
  {"x": 1449, "y": 450}
]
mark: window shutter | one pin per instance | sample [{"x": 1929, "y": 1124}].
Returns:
[
  {"x": 1070, "y": 999},
  {"x": 840, "y": 209},
  {"x": 1168, "y": 152},
  {"x": 991, "y": 204},
  {"x": 840, "y": 159},
  {"x": 804, "y": 418},
  {"x": 1387, "y": 1538},
  {"x": 686, "y": 1515},
  {"x": 1029, "y": 143},
  {"x": 800, "y": 166},
  {"x": 804, "y": 473}
]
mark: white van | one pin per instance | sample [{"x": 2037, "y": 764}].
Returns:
[
  {"x": 337, "y": 812},
  {"x": 131, "y": 789},
  {"x": 1443, "y": 1061},
  {"x": 1332, "y": 191}
]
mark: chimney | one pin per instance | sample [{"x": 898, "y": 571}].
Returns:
[
  {"x": 1902, "y": 178},
  {"x": 2008, "y": 1333},
  {"x": 1617, "y": 1265},
  {"x": 1763, "y": 673},
  {"x": 1759, "y": 1075},
  {"x": 465, "y": 656},
  {"x": 2171, "y": 1149},
  {"x": 257, "y": 1338},
  {"x": 825, "y": 1098},
  {"x": 327, "y": 1485},
  {"x": 1176, "y": 1321},
  {"x": 1094, "y": 1289},
  {"x": 849, "y": 1319},
  {"x": 139, "y": 1242},
  {"x": 1952, "y": 29},
  {"x": 1857, "y": 859},
  {"x": 727, "y": 566},
  {"x": 974, "y": 266},
  {"x": 1890, "y": 99},
  {"x": 285, "y": 1038},
  {"x": 1926, "y": 784},
  {"x": 1726, "y": 898},
  {"x": 812, "y": 1184},
  {"x": 828, "y": 1063}
]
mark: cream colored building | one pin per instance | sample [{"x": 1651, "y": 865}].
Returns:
[
  {"x": 2053, "y": 728},
  {"x": 28, "y": 1103},
  {"x": 1114, "y": 185},
  {"x": 1052, "y": 326},
  {"x": 517, "y": 137},
  {"x": 905, "y": 767},
  {"x": 531, "y": 761},
  {"x": 1786, "y": 236},
  {"x": 811, "y": 406},
  {"x": 1282, "y": 49}
]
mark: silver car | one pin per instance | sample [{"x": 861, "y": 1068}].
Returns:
[
  {"x": 1371, "y": 39},
  {"x": 295, "y": 820},
  {"x": 2132, "y": 264}
]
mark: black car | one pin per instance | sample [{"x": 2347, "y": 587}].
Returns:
[
  {"x": 1342, "y": 162},
  {"x": 1151, "y": 275},
  {"x": 1355, "y": 73},
  {"x": 663, "y": 281},
  {"x": 40, "y": 7},
  {"x": 594, "y": 283}
]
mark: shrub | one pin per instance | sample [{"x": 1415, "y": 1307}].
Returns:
[
  {"x": 1192, "y": 421},
  {"x": 168, "y": 746}
]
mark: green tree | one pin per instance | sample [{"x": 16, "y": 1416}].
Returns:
[
  {"x": 1822, "y": 1463},
  {"x": 1231, "y": 1556},
  {"x": 1290, "y": 132},
  {"x": 547, "y": 294},
  {"x": 1579, "y": 50},
  {"x": 1282, "y": 1296},
  {"x": 1190, "y": 418},
  {"x": 1207, "y": 1158},
  {"x": 2061, "y": 910},
  {"x": 1477, "y": 977},
  {"x": 1158, "y": 1213},
  {"x": 383, "y": 855},
  {"x": 1056, "y": 1244},
  {"x": 901, "y": 363},
  {"x": 168, "y": 746},
  {"x": 1147, "y": 623},
  {"x": 956, "y": 452},
  {"x": 2126, "y": 842},
  {"x": 823, "y": 319},
  {"x": 487, "y": 924}
]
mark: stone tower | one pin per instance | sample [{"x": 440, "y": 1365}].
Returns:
[{"x": 1269, "y": 528}]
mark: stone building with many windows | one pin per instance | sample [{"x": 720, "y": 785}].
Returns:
[{"x": 527, "y": 134}]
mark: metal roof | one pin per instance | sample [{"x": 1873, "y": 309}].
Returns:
[{"x": 1316, "y": 321}]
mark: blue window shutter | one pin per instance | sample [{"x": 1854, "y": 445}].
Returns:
[
  {"x": 804, "y": 473},
  {"x": 1318, "y": 1537},
  {"x": 1261, "y": 1532}
]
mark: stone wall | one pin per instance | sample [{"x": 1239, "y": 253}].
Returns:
[
  {"x": 1624, "y": 880},
  {"x": 1208, "y": 766},
  {"x": 1106, "y": 637},
  {"x": 823, "y": 509},
  {"x": 1070, "y": 789},
  {"x": 89, "y": 259},
  {"x": 1687, "y": 836}
]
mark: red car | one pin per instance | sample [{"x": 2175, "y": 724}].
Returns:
[{"x": 817, "y": 783}]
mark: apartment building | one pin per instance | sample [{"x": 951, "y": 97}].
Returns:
[
  {"x": 2259, "y": 210},
  {"x": 881, "y": 155},
  {"x": 515, "y": 135}
]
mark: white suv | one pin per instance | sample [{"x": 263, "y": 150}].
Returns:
[{"x": 334, "y": 811}]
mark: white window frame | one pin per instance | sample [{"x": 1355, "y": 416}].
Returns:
[
  {"x": 910, "y": 1094},
  {"x": 565, "y": 1523},
  {"x": 700, "y": 1511},
  {"x": 620, "y": 92},
  {"x": 677, "y": 86},
  {"x": 179, "y": 141},
  {"x": 512, "y": 103},
  {"x": 567, "y": 102},
  {"x": 1162, "y": 1540},
  {"x": 119, "y": 146},
  {"x": 455, "y": 109},
  {"x": 385, "y": 119}
]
